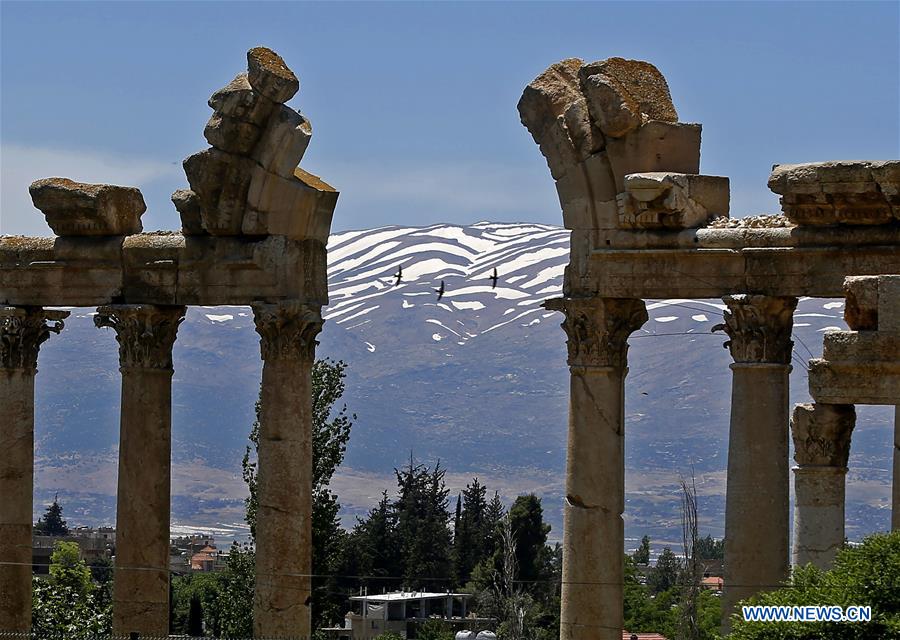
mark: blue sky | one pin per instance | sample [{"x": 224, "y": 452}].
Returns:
[{"x": 413, "y": 105}]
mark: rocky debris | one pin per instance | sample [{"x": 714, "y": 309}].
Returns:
[
  {"x": 676, "y": 200},
  {"x": 81, "y": 209},
  {"x": 763, "y": 221},
  {"x": 249, "y": 182},
  {"x": 839, "y": 193},
  {"x": 599, "y": 122}
]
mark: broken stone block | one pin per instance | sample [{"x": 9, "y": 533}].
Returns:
[
  {"x": 673, "y": 200},
  {"x": 188, "y": 206},
  {"x": 270, "y": 76},
  {"x": 542, "y": 109},
  {"x": 861, "y": 309},
  {"x": 622, "y": 94},
  {"x": 283, "y": 142},
  {"x": 230, "y": 134},
  {"x": 80, "y": 209},
  {"x": 238, "y": 100},
  {"x": 220, "y": 181},
  {"x": 872, "y": 303},
  {"x": 839, "y": 193},
  {"x": 298, "y": 207},
  {"x": 655, "y": 146}
]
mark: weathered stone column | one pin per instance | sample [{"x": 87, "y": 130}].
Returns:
[
  {"x": 895, "y": 480},
  {"x": 821, "y": 435},
  {"x": 594, "y": 538},
  {"x": 22, "y": 330},
  {"x": 284, "y": 518},
  {"x": 757, "y": 492},
  {"x": 146, "y": 334}
]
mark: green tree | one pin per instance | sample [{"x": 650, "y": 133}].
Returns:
[
  {"x": 709, "y": 548},
  {"x": 65, "y": 606},
  {"x": 422, "y": 524},
  {"x": 235, "y": 602},
  {"x": 665, "y": 574},
  {"x": 867, "y": 575},
  {"x": 331, "y": 425},
  {"x": 52, "y": 522},
  {"x": 641, "y": 555},
  {"x": 532, "y": 555},
  {"x": 472, "y": 531}
]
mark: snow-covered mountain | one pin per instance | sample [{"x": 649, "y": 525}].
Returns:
[{"x": 477, "y": 380}]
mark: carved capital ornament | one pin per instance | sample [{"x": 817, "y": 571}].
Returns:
[
  {"x": 287, "y": 330},
  {"x": 22, "y": 331},
  {"x": 598, "y": 329},
  {"x": 822, "y": 434},
  {"x": 759, "y": 328},
  {"x": 145, "y": 333}
]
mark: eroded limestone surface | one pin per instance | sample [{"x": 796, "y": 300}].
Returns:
[
  {"x": 839, "y": 193},
  {"x": 600, "y": 122},
  {"x": 248, "y": 182},
  {"x": 81, "y": 209}
]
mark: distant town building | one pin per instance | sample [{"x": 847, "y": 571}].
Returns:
[
  {"x": 93, "y": 543},
  {"x": 403, "y": 613}
]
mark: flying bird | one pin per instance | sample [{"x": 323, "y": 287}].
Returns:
[
  {"x": 398, "y": 275},
  {"x": 440, "y": 291},
  {"x": 494, "y": 279}
]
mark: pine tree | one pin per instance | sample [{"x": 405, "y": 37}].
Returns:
[
  {"x": 422, "y": 519},
  {"x": 52, "y": 522},
  {"x": 641, "y": 555},
  {"x": 471, "y": 543}
]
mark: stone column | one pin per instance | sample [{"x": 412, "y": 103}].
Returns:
[
  {"x": 821, "y": 448},
  {"x": 22, "y": 330},
  {"x": 146, "y": 334},
  {"x": 284, "y": 517},
  {"x": 757, "y": 492},
  {"x": 593, "y": 537},
  {"x": 895, "y": 482}
]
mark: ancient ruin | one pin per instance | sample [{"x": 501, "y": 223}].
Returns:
[
  {"x": 645, "y": 224},
  {"x": 254, "y": 229},
  {"x": 861, "y": 366}
]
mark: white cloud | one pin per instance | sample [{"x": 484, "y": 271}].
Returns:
[{"x": 21, "y": 165}]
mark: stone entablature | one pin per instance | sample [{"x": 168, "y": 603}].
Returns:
[
  {"x": 254, "y": 232},
  {"x": 862, "y": 367},
  {"x": 839, "y": 193},
  {"x": 644, "y": 225}
]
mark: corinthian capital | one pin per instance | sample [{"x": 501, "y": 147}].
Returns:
[
  {"x": 822, "y": 434},
  {"x": 598, "y": 328},
  {"x": 145, "y": 333},
  {"x": 759, "y": 328},
  {"x": 22, "y": 331},
  {"x": 287, "y": 329}
]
